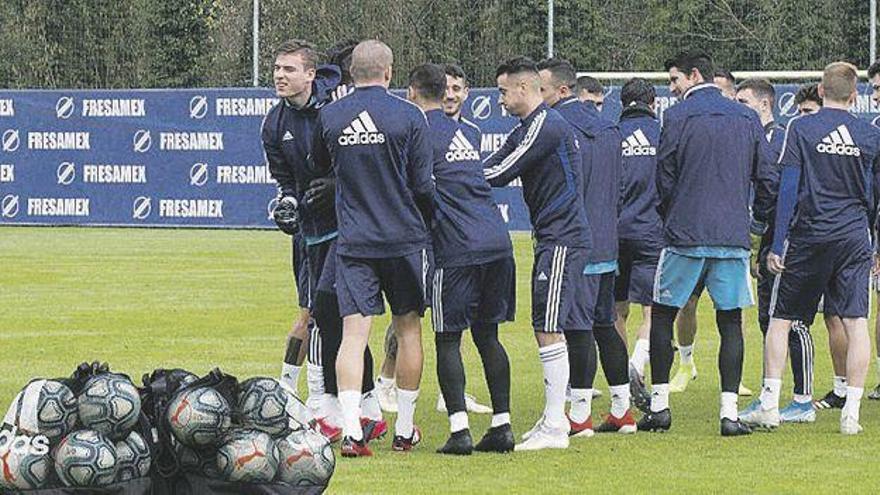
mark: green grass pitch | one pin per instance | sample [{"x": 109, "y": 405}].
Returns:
[{"x": 144, "y": 299}]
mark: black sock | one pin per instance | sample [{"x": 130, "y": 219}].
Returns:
[
  {"x": 730, "y": 356},
  {"x": 581, "y": 358},
  {"x": 326, "y": 314},
  {"x": 496, "y": 365},
  {"x": 662, "y": 321},
  {"x": 291, "y": 355},
  {"x": 613, "y": 353},
  {"x": 450, "y": 370},
  {"x": 367, "y": 384},
  {"x": 800, "y": 347}
]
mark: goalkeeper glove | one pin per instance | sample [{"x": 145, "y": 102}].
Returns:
[
  {"x": 321, "y": 194},
  {"x": 286, "y": 215}
]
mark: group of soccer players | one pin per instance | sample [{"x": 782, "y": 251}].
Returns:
[{"x": 386, "y": 196}]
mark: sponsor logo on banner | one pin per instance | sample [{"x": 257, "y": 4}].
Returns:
[
  {"x": 114, "y": 174},
  {"x": 491, "y": 142},
  {"x": 59, "y": 207},
  {"x": 191, "y": 208},
  {"x": 243, "y": 107},
  {"x": 786, "y": 105},
  {"x": 504, "y": 208},
  {"x": 141, "y": 207},
  {"x": 270, "y": 208},
  {"x": 198, "y": 107},
  {"x": 191, "y": 141},
  {"x": 11, "y": 141},
  {"x": 481, "y": 107},
  {"x": 53, "y": 140},
  {"x": 7, "y": 108},
  {"x": 7, "y": 172},
  {"x": 9, "y": 206},
  {"x": 244, "y": 174},
  {"x": 114, "y": 107},
  {"x": 198, "y": 174},
  {"x": 64, "y": 107},
  {"x": 66, "y": 173},
  {"x": 142, "y": 141}
]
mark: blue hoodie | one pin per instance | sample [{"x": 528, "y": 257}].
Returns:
[
  {"x": 287, "y": 140},
  {"x": 712, "y": 151},
  {"x": 378, "y": 146}
]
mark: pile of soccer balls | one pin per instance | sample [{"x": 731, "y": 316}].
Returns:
[
  {"x": 52, "y": 437},
  {"x": 252, "y": 440}
]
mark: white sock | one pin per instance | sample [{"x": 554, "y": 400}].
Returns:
[
  {"x": 728, "y": 406},
  {"x": 554, "y": 360},
  {"x": 290, "y": 374},
  {"x": 406, "y": 410},
  {"x": 770, "y": 393},
  {"x": 840, "y": 386},
  {"x": 641, "y": 355},
  {"x": 333, "y": 409},
  {"x": 853, "y": 402},
  {"x": 581, "y": 404},
  {"x": 370, "y": 406},
  {"x": 802, "y": 398},
  {"x": 385, "y": 382},
  {"x": 315, "y": 376},
  {"x": 659, "y": 397},
  {"x": 458, "y": 421},
  {"x": 619, "y": 400},
  {"x": 350, "y": 400},
  {"x": 687, "y": 354},
  {"x": 500, "y": 419}
]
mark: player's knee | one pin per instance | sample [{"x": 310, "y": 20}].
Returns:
[{"x": 447, "y": 338}]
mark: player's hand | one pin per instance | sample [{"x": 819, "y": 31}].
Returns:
[
  {"x": 286, "y": 215},
  {"x": 321, "y": 193},
  {"x": 774, "y": 263},
  {"x": 340, "y": 91},
  {"x": 753, "y": 268}
]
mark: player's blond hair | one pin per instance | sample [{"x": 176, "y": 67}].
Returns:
[{"x": 839, "y": 81}]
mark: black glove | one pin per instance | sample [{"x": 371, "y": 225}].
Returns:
[
  {"x": 321, "y": 194},
  {"x": 286, "y": 215}
]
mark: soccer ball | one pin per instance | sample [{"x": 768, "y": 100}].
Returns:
[
  {"x": 306, "y": 458},
  {"x": 197, "y": 461},
  {"x": 262, "y": 404},
  {"x": 133, "y": 457},
  {"x": 43, "y": 407},
  {"x": 86, "y": 458},
  {"x": 24, "y": 464},
  {"x": 250, "y": 456},
  {"x": 199, "y": 417},
  {"x": 109, "y": 404}
]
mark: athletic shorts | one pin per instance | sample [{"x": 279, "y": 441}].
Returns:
[
  {"x": 636, "y": 265},
  {"x": 322, "y": 263},
  {"x": 601, "y": 290},
  {"x": 840, "y": 269},
  {"x": 467, "y": 295},
  {"x": 560, "y": 290},
  {"x": 678, "y": 276},
  {"x": 300, "y": 263},
  {"x": 361, "y": 282}
]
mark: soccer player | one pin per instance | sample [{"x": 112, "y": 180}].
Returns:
[
  {"x": 759, "y": 95},
  {"x": 377, "y": 145},
  {"x": 712, "y": 150},
  {"x": 599, "y": 145},
  {"x": 474, "y": 283},
  {"x": 724, "y": 79},
  {"x": 874, "y": 79},
  {"x": 639, "y": 227},
  {"x": 542, "y": 151},
  {"x": 829, "y": 165},
  {"x": 807, "y": 99},
  {"x": 590, "y": 89}
]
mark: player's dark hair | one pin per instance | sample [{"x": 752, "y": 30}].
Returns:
[
  {"x": 340, "y": 56},
  {"x": 808, "y": 92},
  {"x": 693, "y": 59},
  {"x": 517, "y": 65},
  {"x": 309, "y": 52},
  {"x": 637, "y": 90},
  {"x": 725, "y": 74},
  {"x": 874, "y": 69},
  {"x": 561, "y": 70},
  {"x": 456, "y": 71},
  {"x": 590, "y": 85},
  {"x": 428, "y": 81},
  {"x": 761, "y": 88}
]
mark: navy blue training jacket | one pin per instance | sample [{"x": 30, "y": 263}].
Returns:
[{"x": 639, "y": 219}]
